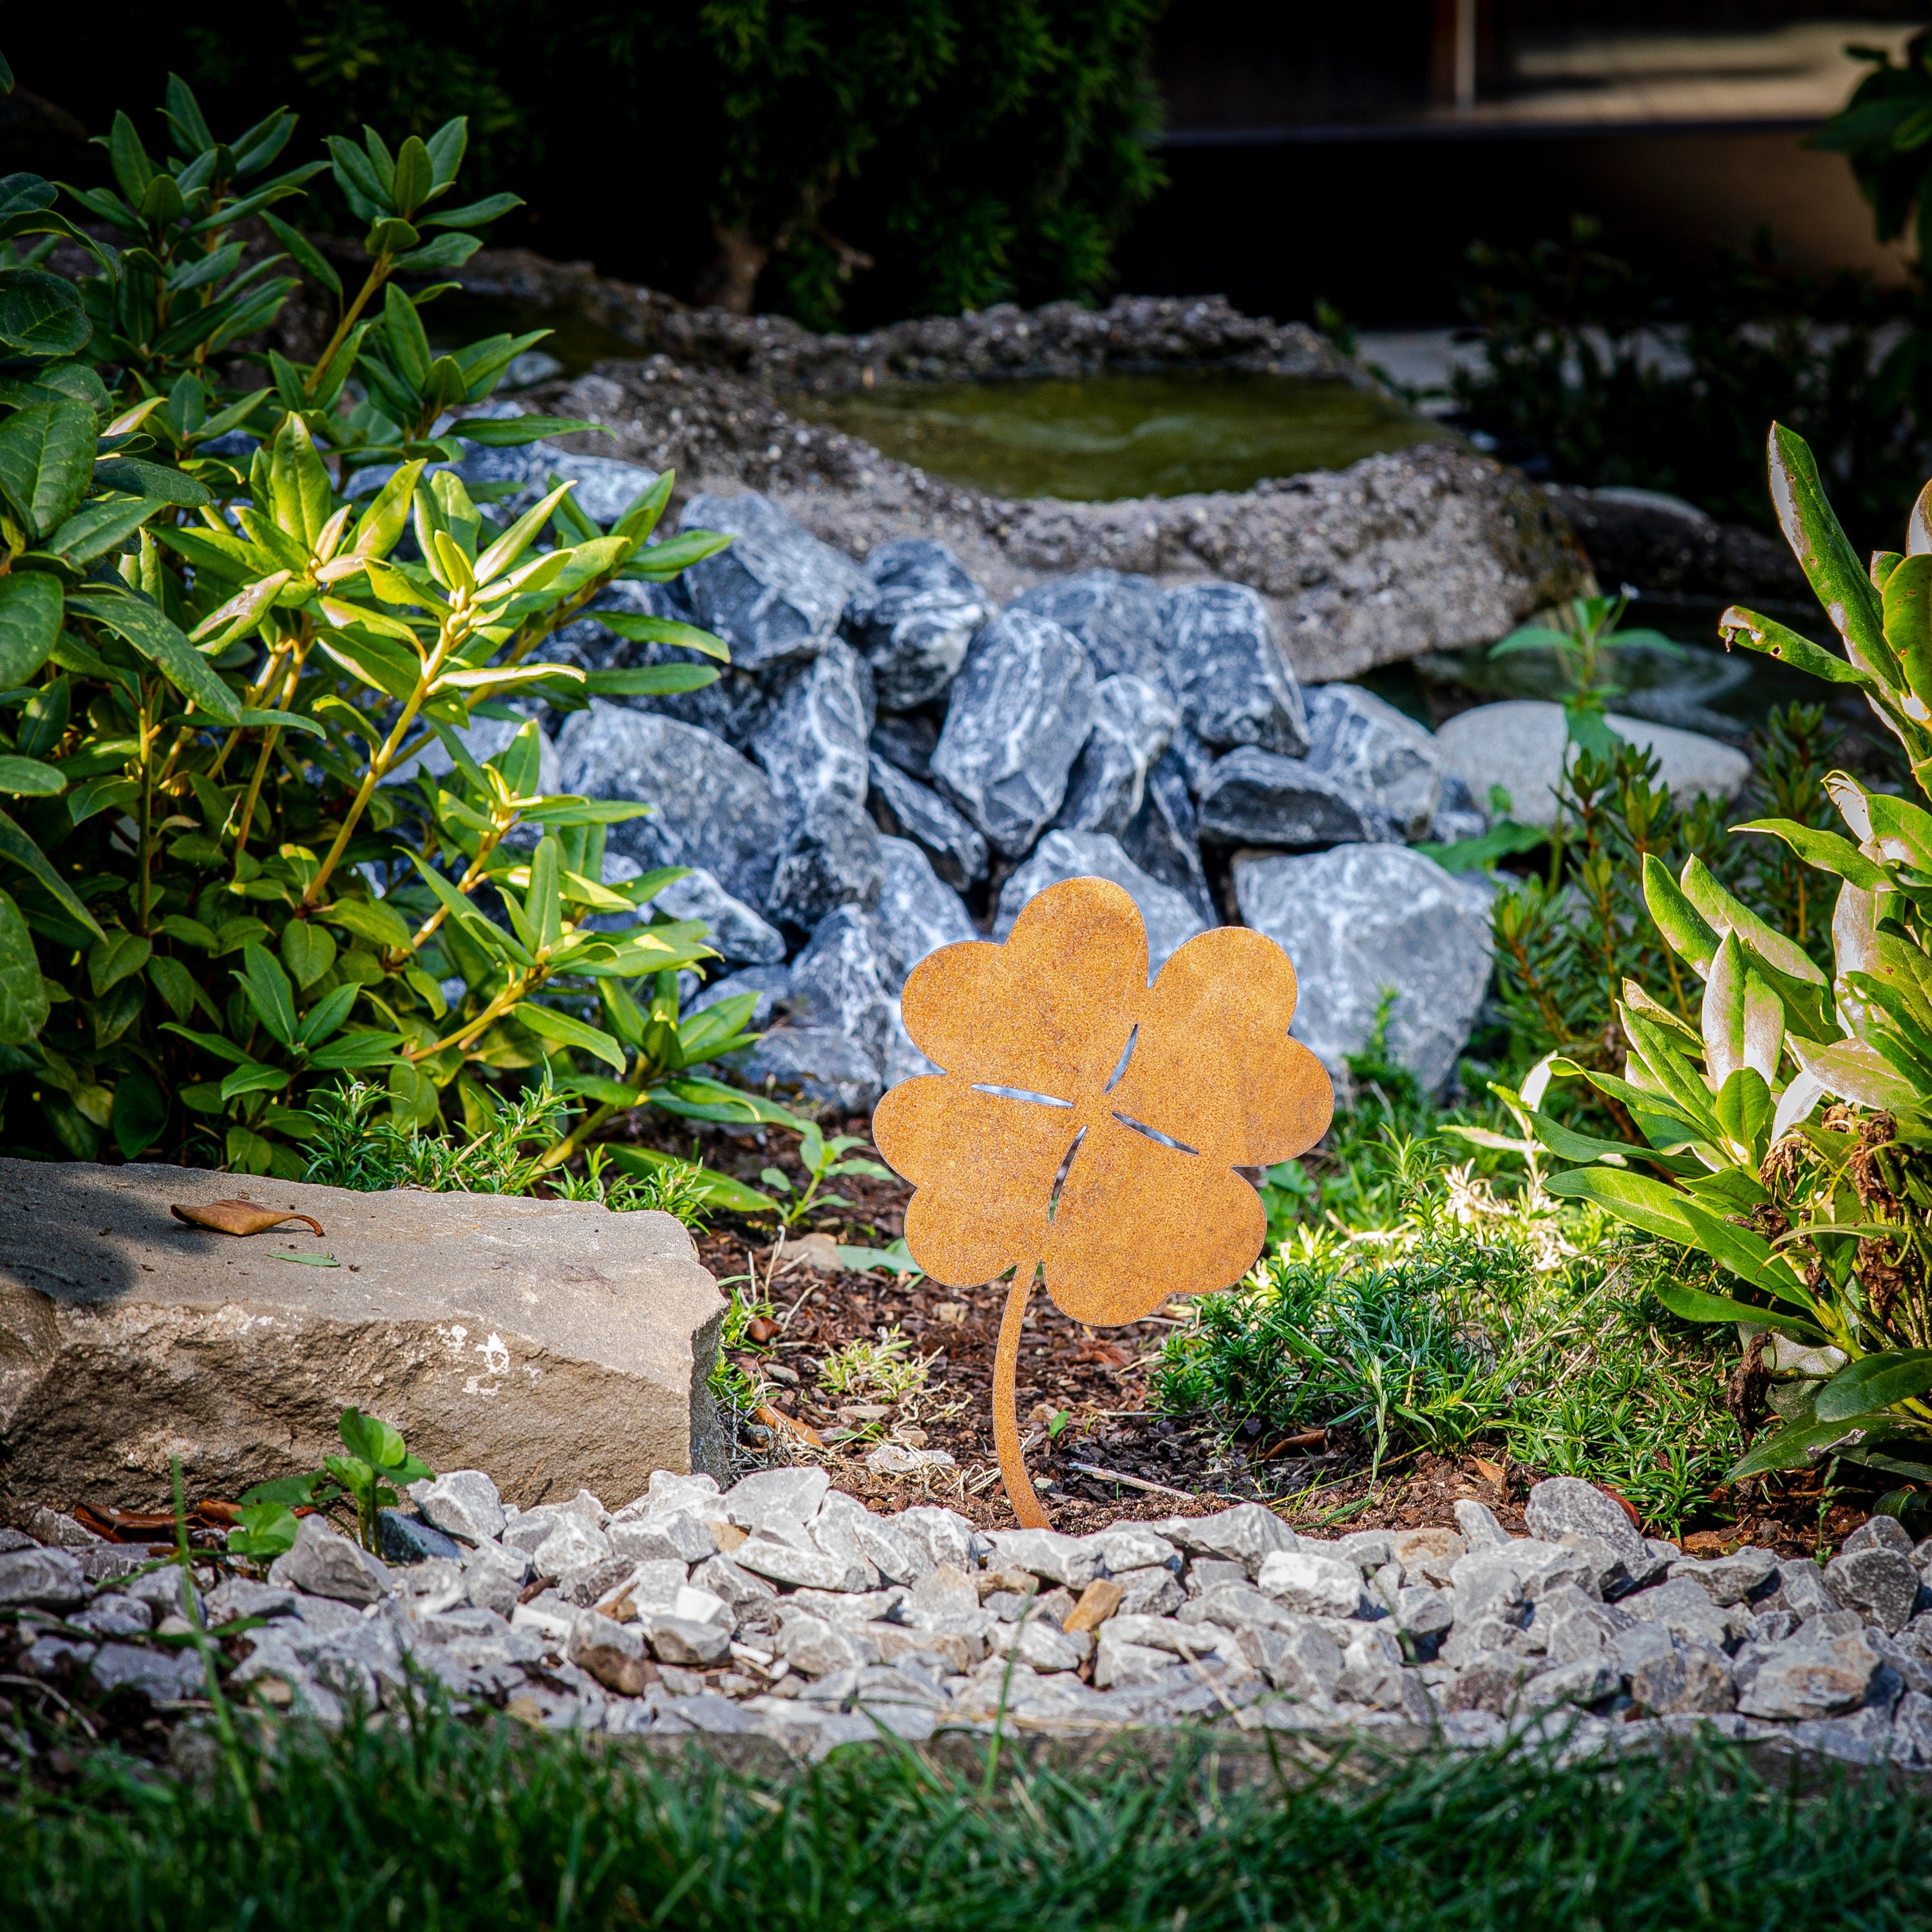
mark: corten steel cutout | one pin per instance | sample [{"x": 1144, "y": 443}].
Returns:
[{"x": 1089, "y": 1125}]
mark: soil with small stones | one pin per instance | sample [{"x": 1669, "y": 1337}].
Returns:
[{"x": 1114, "y": 1455}]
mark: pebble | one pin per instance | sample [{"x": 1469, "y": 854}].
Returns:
[{"x": 828, "y": 1625}]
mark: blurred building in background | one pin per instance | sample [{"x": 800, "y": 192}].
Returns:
[{"x": 1352, "y": 153}]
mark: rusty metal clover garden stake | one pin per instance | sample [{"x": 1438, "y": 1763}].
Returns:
[{"x": 1088, "y": 1125}]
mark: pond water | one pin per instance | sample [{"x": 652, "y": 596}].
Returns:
[{"x": 1113, "y": 435}]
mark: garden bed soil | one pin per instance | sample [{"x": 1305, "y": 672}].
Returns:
[{"x": 1101, "y": 1380}]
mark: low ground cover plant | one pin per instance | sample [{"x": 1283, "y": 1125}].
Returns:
[{"x": 246, "y": 607}]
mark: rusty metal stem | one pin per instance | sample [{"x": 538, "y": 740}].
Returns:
[{"x": 1006, "y": 1422}]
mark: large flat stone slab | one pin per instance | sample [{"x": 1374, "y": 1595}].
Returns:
[{"x": 554, "y": 1343}]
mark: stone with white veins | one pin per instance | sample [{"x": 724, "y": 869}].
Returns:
[
  {"x": 1253, "y": 797},
  {"x": 1163, "y": 838},
  {"x": 1522, "y": 745},
  {"x": 830, "y": 859},
  {"x": 735, "y": 928},
  {"x": 710, "y": 807},
  {"x": 1369, "y": 747},
  {"x": 1315, "y": 1585},
  {"x": 1234, "y": 683},
  {"x": 1117, "y": 617},
  {"x": 906, "y": 809},
  {"x": 1879, "y": 1583},
  {"x": 843, "y": 980},
  {"x": 1017, "y": 716},
  {"x": 1170, "y": 919},
  {"x": 777, "y": 595},
  {"x": 813, "y": 746},
  {"x": 817, "y": 1064},
  {"x": 1363, "y": 920},
  {"x": 914, "y": 623},
  {"x": 1132, "y": 722},
  {"x": 770, "y": 986},
  {"x": 917, "y": 913},
  {"x": 462, "y": 1502}
]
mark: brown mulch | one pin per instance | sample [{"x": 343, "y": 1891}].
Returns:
[{"x": 1320, "y": 1480}]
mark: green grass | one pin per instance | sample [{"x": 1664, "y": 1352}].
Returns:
[{"x": 446, "y": 1825}]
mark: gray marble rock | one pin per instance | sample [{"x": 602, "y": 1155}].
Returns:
[
  {"x": 1132, "y": 721},
  {"x": 916, "y": 912},
  {"x": 1562, "y": 1506},
  {"x": 1254, "y": 797},
  {"x": 1235, "y": 684},
  {"x": 915, "y": 622},
  {"x": 830, "y": 859},
  {"x": 1883, "y": 1532},
  {"x": 1163, "y": 838},
  {"x": 731, "y": 707},
  {"x": 607, "y": 487},
  {"x": 1116, "y": 617},
  {"x": 770, "y": 985},
  {"x": 1806, "y": 1678},
  {"x": 812, "y": 743},
  {"x": 816, "y": 1064},
  {"x": 1693, "y": 1677},
  {"x": 1371, "y": 749},
  {"x": 325, "y": 1564},
  {"x": 1729, "y": 1579},
  {"x": 1458, "y": 816},
  {"x": 1877, "y": 1582},
  {"x": 1245, "y": 1534},
  {"x": 1364, "y": 919},
  {"x": 1170, "y": 920},
  {"x": 736, "y": 929},
  {"x": 160, "y": 1676},
  {"x": 713, "y": 807},
  {"x": 49, "y": 1580},
  {"x": 483, "y": 738},
  {"x": 907, "y": 740},
  {"x": 842, "y": 980},
  {"x": 402, "y": 1537},
  {"x": 907, "y": 809},
  {"x": 1019, "y": 713},
  {"x": 1197, "y": 758},
  {"x": 777, "y": 595},
  {"x": 462, "y": 1503}
]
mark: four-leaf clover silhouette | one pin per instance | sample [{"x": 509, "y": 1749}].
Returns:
[{"x": 1091, "y": 1124}]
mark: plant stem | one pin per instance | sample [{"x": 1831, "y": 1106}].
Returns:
[
  {"x": 247, "y": 819},
  {"x": 147, "y": 731},
  {"x": 381, "y": 759},
  {"x": 378, "y": 274},
  {"x": 1005, "y": 1421}
]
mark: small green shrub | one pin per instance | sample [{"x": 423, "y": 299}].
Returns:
[
  {"x": 1819, "y": 1223},
  {"x": 217, "y": 668}
]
